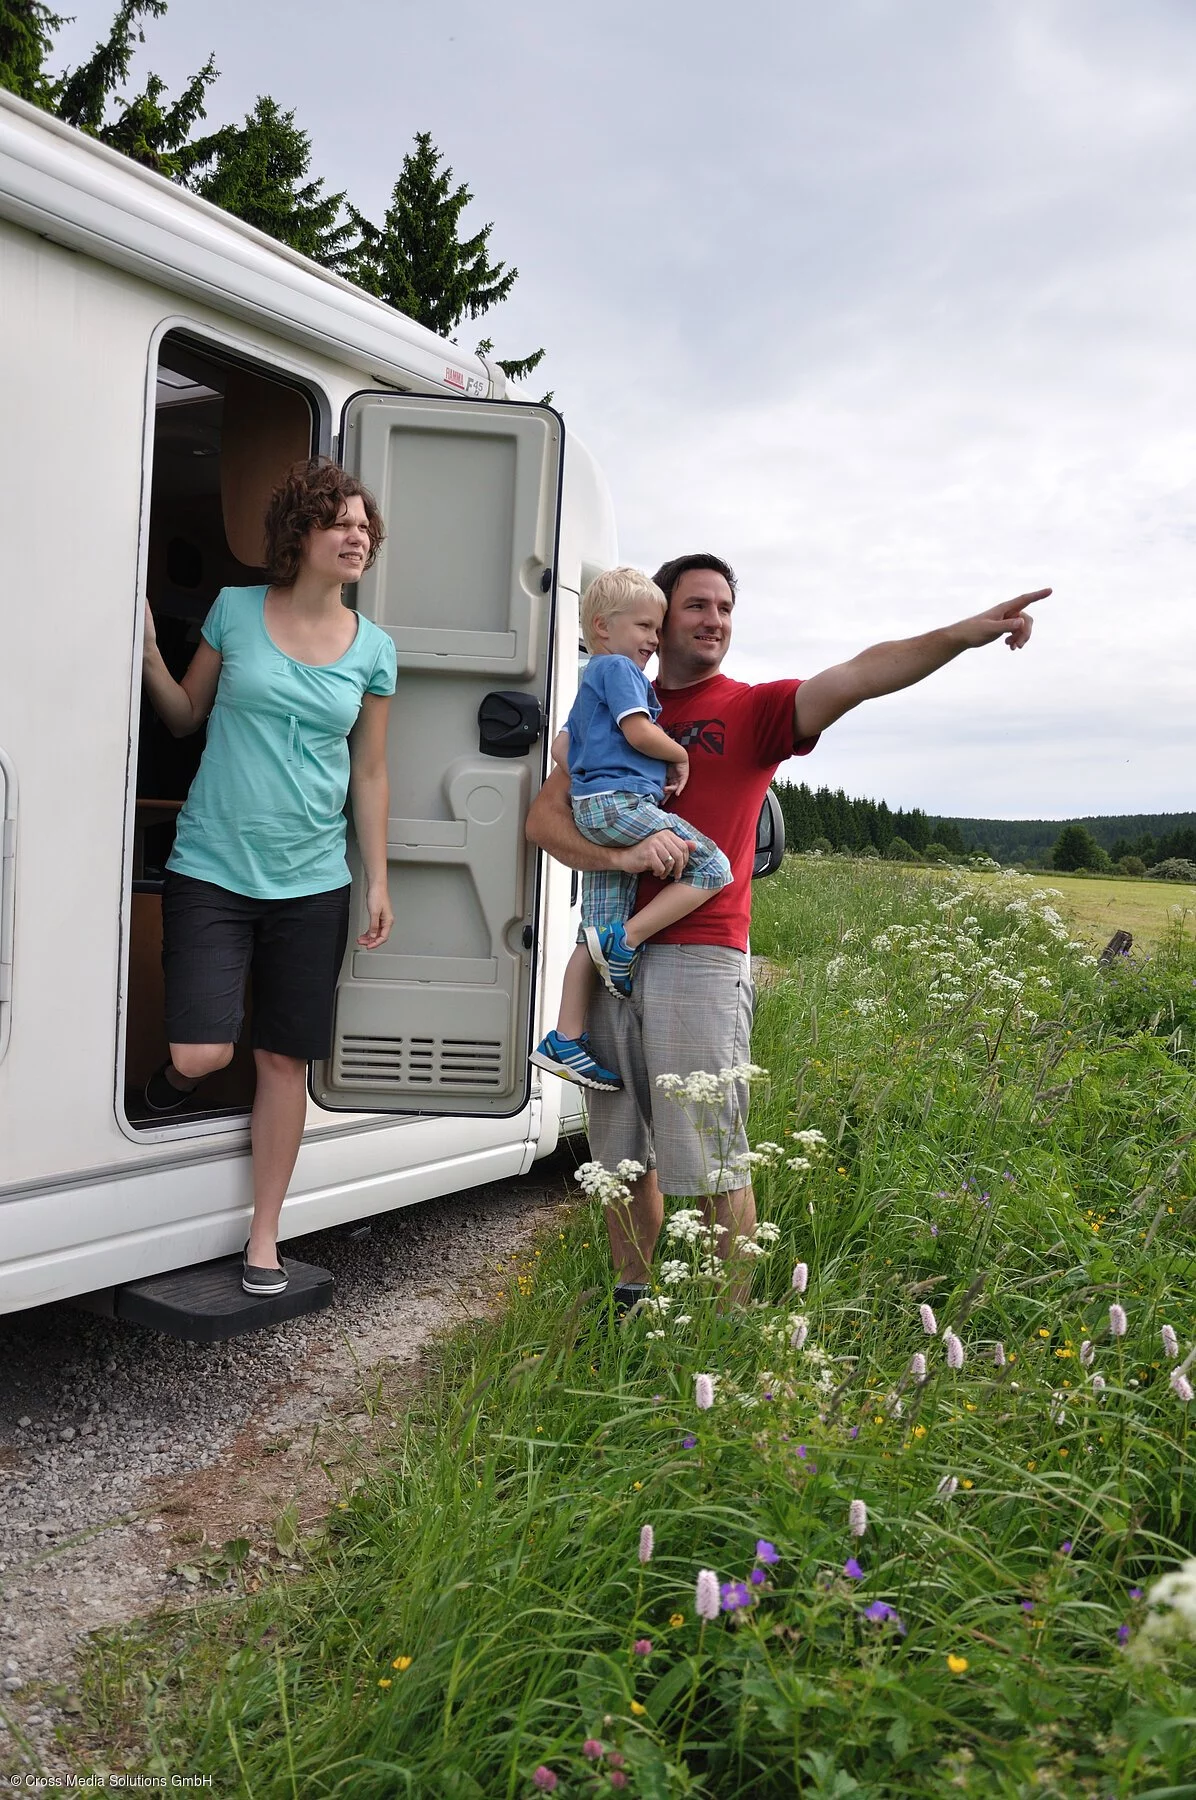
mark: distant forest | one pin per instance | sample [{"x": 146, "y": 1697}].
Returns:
[{"x": 830, "y": 820}]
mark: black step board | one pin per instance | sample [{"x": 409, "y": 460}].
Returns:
[{"x": 206, "y": 1304}]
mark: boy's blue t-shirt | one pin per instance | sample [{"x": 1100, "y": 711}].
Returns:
[
  {"x": 265, "y": 815},
  {"x": 601, "y": 761}
]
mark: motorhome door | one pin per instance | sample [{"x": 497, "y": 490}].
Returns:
[{"x": 439, "y": 1020}]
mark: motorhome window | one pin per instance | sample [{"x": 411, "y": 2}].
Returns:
[{"x": 223, "y": 435}]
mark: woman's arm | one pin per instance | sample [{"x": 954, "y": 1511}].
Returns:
[
  {"x": 183, "y": 705},
  {"x": 369, "y": 788}
]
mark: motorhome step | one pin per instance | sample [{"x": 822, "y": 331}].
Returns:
[{"x": 206, "y": 1304}]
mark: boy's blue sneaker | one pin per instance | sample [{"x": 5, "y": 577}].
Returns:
[
  {"x": 613, "y": 957},
  {"x": 571, "y": 1058}
]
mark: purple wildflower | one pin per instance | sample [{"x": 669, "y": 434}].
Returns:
[
  {"x": 852, "y": 1570},
  {"x": 1027, "y": 1606},
  {"x": 647, "y": 1543},
  {"x": 802, "y": 1451},
  {"x": 1123, "y": 1634},
  {"x": 706, "y": 1594},
  {"x": 1118, "y": 1322},
  {"x": 881, "y": 1613},
  {"x": 934, "y": 1231},
  {"x": 1065, "y": 1547},
  {"x": 758, "y": 1577},
  {"x": 930, "y": 1324},
  {"x": 766, "y": 1552},
  {"x": 687, "y": 1443},
  {"x": 734, "y": 1596},
  {"x": 1135, "y": 1593},
  {"x": 857, "y": 1518},
  {"x": 703, "y": 1392},
  {"x": 854, "y": 1432}
]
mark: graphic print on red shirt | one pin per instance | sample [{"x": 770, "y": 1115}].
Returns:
[{"x": 736, "y": 735}]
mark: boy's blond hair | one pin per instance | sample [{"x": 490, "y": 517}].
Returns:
[{"x": 616, "y": 591}]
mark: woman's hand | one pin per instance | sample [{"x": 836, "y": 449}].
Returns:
[{"x": 377, "y": 900}]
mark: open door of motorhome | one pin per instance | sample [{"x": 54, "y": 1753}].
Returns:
[{"x": 439, "y": 1020}]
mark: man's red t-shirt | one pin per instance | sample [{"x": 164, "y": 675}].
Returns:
[{"x": 736, "y": 735}]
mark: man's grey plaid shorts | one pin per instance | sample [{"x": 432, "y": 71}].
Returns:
[
  {"x": 618, "y": 819},
  {"x": 690, "y": 1009}
]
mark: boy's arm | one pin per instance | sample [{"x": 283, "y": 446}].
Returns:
[{"x": 650, "y": 740}]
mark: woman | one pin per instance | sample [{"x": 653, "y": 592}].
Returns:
[{"x": 298, "y": 687}]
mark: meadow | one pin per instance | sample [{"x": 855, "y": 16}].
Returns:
[
  {"x": 897, "y": 1527},
  {"x": 1151, "y": 910}
]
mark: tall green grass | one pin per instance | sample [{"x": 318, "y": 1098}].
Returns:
[{"x": 999, "y": 1150}]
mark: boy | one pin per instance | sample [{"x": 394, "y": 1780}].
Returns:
[{"x": 622, "y": 767}]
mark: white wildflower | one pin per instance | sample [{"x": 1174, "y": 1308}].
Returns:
[
  {"x": 1087, "y": 1353},
  {"x": 799, "y": 1334},
  {"x": 947, "y": 1486}
]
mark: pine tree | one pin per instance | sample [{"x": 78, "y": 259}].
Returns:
[
  {"x": 26, "y": 32},
  {"x": 144, "y": 128},
  {"x": 417, "y": 262},
  {"x": 259, "y": 172}
]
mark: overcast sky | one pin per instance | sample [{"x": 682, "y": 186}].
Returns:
[{"x": 888, "y": 301}]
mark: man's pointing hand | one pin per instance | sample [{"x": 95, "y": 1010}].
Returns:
[{"x": 1010, "y": 620}]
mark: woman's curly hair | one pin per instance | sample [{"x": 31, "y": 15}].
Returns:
[{"x": 310, "y": 497}]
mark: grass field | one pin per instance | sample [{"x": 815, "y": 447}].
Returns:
[
  {"x": 1148, "y": 909},
  {"x": 894, "y": 1529}
]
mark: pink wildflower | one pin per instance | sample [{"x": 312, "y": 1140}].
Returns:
[
  {"x": 801, "y": 1276},
  {"x": 592, "y": 1748},
  {"x": 703, "y": 1392},
  {"x": 917, "y": 1366},
  {"x": 642, "y": 1647},
  {"x": 1181, "y": 1387},
  {"x": 999, "y": 1355},
  {"x": 706, "y": 1601},
  {"x": 857, "y": 1518},
  {"x": 954, "y": 1348},
  {"x": 1087, "y": 1352},
  {"x": 647, "y": 1543},
  {"x": 930, "y": 1324},
  {"x": 1170, "y": 1343},
  {"x": 1117, "y": 1320},
  {"x": 799, "y": 1333},
  {"x": 544, "y": 1779},
  {"x": 618, "y": 1779}
]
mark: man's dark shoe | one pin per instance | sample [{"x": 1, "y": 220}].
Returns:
[
  {"x": 263, "y": 1282},
  {"x": 628, "y": 1294}
]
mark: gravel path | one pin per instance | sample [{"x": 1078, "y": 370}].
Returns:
[{"x": 124, "y": 1454}]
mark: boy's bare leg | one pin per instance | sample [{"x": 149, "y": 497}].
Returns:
[
  {"x": 576, "y": 990},
  {"x": 676, "y": 902},
  {"x": 633, "y": 1229}
]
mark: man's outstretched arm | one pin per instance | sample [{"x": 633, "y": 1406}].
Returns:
[
  {"x": 885, "y": 668},
  {"x": 550, "y": 825}
]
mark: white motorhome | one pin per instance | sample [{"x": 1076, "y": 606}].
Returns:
[{"x": 161, "y": 364}]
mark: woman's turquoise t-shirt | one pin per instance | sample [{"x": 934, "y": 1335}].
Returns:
[{"x": 266, "y": 812}]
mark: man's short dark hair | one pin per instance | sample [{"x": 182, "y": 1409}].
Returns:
[{"x": 670, "y": 573}]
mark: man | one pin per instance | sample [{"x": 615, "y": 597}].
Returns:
[{"x": 692, "y": 1004}]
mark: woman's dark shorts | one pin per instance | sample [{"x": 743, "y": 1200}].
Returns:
[{"x": 212, "y": 939}]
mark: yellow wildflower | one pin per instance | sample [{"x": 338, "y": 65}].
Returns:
[
  {"x": 965, "y": 1482},
  {"x": 637, "y": 1709},
  {"x": 676, "y": 1619},
  {"x": 957, "y": 1664},
  {"x": 400, "y": 1663},
  {"x": 385, "y": 1681},
  {"x": 637, "y": 1485},
  {"x": 1043, "y": 1332},
  {"x": 919, "y": 1431}
]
